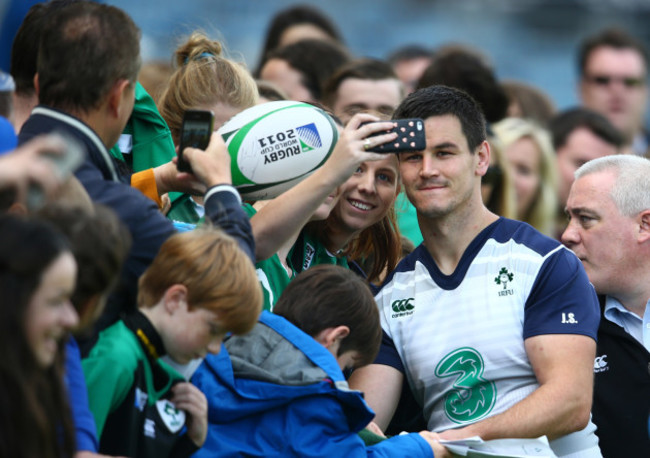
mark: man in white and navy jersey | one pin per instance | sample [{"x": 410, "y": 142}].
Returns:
[
  {"x": 491, "y": 324},
  {"x": 609, "y": 231}
]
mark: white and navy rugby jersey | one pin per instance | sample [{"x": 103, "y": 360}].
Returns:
[{"x": 460, "y": 337}]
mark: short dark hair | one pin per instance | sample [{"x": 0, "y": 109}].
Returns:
[
  {"x": 316, "y": 60},
  {"x": 563, "y": 124},
  {"x": 444, "y": 100},
  {"x": 84, "y": 49},
  {"x": 464, "y": 69},
  {"x": 6, "y": 104},
  {"x": 612, "y": 37},
  {"x": 409, "y": 52},
  {"x": 24, "y": 48},
  {"x": 363, "y": 69},
  {"x": 534, "y": 103},
  {"x": 298, "y": 14},
  {"x": 327, "y": 296},
  {"x": 270, "y": 91}
]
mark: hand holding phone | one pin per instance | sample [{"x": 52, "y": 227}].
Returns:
[
  {"x": 410, "y": 137},
  {"x": 195, "y": 132}
]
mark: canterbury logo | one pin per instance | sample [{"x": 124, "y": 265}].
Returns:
[
  {"x": 600, "y": 364},
  {"x": 402, "y": 307}
]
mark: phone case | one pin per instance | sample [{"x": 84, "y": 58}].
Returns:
[
  {"x": 410, "y": 137},
  {"x": 195, "y": 132}
]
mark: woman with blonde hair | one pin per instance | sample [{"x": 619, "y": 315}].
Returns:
[
  {"x": 530, "y": 156},
  {"x": 204, "y": 79},
  {"x": 497, "y": 188}
]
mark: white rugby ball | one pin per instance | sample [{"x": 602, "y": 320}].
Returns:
[{"x": 275, "y": 145}]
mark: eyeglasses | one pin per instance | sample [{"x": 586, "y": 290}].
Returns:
[{"x": 604, "y": 80}]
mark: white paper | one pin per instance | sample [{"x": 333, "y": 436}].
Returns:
[{"x": 475, "y": 447}]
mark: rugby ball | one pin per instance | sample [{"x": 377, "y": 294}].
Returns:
[{"x": 275, "y": 145}]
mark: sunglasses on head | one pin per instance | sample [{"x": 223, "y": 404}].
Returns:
[{"x": 604, "y": 80}]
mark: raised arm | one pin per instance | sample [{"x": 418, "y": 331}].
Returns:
[
  {"x": 280, "y": 219},
  {"x": 29, "y": 164}
]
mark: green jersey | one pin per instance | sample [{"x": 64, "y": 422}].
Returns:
[
  {"x": 128, "y": 395},
  {"x": 407, "y": 219},
  {"x": 273, "y": 276}
]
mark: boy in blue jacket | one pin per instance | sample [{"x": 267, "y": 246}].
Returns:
[{"x": 280, "y": 391}]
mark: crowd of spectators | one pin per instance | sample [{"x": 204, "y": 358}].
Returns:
[{"x": 493, "y": 284}]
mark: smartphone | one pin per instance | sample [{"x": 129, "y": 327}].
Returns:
[
  {"x": 195, "y": 132},
  {"x": 410, "y": 137},
  {"x": 64, "y": 165}
]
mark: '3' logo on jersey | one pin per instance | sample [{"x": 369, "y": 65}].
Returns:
[{"x": 472, "y": 397}]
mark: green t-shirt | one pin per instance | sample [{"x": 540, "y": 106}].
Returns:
[
  {"x": 146, "y": 136},
  {"x": 407, "y": 219},
  {"x": 146, "y": 141},
  {"x": 308, "y": 251},
  {"x": 273, "y": 277},
  {"x": 185, "y": 210},
  {"x": 124, "y": 389}
]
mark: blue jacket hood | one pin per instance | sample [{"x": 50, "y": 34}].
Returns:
[
  {"x": 274, "y": 365},
  {"x": 276, "y": 392}
]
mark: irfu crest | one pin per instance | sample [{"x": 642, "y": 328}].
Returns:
[
  {"x": 504, "y": 277},
  {"x": 172, "y": 417}
]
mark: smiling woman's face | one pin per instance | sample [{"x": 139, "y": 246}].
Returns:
[
  {"x": 50, "y": 314},
  {"x": 367, "y": 195}
]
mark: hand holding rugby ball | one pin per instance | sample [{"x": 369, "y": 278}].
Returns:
[{"x": 275, "y": 145}]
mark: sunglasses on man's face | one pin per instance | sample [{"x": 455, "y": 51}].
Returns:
[{"x": 604, "y": 80}]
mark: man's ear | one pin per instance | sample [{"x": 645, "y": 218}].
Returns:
[
  {"x": 332, "y": 336},
  {"x": 644, "y": 226},
  {"x": 116, "y": 97},
  {"x": 36, "y": 87},
  {"x": 483, "y": 154},
  {"x": 175, "y": 298}
]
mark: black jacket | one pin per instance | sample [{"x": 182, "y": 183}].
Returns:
[
  {"x": 621, "y": 408},
  {"x": 107, "y": 184}
]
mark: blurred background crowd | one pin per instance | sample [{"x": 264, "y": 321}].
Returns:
[{"x": 532, "y": 40}]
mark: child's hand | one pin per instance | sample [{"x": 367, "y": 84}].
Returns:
[
  {"x": 439, "y": 450},
  {"x": 374, "y": 428},
  {"x": 189, "y": 398}
]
